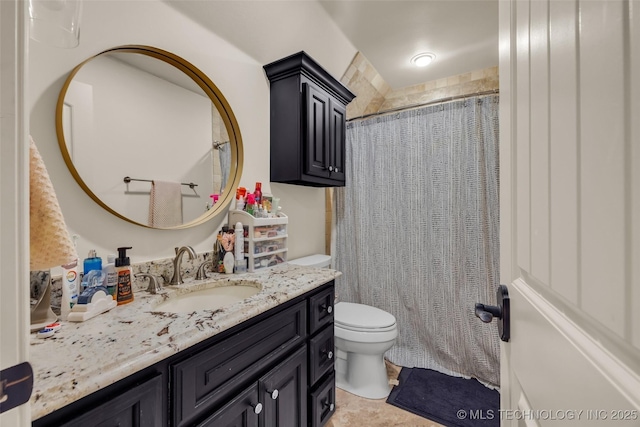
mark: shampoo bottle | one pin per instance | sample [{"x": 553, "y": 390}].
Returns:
[
  {"x": 124, "y": 291},
  {"x": 69, "y": 288}
]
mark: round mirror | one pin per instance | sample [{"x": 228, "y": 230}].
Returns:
[{"x": 149, "y": 137}]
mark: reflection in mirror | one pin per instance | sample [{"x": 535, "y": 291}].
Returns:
[{"x": 137, "y": 113}]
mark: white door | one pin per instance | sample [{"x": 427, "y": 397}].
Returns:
[
  {"x": 570, "y": 211},
  {"x": 14, "y": 206}
]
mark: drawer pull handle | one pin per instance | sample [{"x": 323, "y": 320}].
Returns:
[
  {"x": 258, "y": 408},
  {"x": 327, "y": 308},
  {"x": 328, "y": 353},
  {"x": 274, "y": 394},
  {"x": 326, "y": 404}
]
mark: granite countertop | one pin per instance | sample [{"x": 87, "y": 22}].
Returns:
[{"x": 84, "y": 357}]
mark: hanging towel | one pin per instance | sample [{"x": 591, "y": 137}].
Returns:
[
  {"x": 165, "y": 204},
  {"x": 50, "y": 242}
]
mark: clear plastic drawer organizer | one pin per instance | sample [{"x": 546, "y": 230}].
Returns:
[{"x": 265, "y": 244}]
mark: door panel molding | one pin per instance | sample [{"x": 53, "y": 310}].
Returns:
[
  {"x": 575, "y": 351},
  {"x": 14, "y": 193}
]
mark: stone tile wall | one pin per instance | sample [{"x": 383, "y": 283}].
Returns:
[{"x": 374, "y": 95}]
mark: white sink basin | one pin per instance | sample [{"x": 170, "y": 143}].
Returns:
[{"x": 207, "y": 299}]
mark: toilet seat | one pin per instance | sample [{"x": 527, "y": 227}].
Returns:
[
  {"x": 370, "y": 330},
  {"x": 362, "y": 318}
]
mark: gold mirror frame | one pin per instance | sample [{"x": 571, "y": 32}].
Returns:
[{"x": 216, "y": 97}]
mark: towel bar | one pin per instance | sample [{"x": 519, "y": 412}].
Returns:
[{"x": 129, "y": 179}]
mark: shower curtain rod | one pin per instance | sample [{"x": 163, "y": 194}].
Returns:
[{"x": 424, "y": 104}]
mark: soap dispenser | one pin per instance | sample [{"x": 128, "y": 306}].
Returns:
[{"x": 124, "y": 291}]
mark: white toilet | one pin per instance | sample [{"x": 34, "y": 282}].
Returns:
[{"x": 362, "y": 335}]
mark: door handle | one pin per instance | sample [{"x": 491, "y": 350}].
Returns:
[
  {"x": 16, "y": 385},
  {"x": 502, "y": 312}
]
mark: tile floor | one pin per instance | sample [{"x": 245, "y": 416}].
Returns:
[{"x": 355, "y": 411}]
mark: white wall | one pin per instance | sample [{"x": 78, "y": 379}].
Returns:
[{"x": 241, "y": 79}]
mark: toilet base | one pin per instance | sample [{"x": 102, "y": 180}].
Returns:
[{"x": 364, "y": 375}]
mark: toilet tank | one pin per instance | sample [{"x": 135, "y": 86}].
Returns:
[{"x": 318, "y": 260}]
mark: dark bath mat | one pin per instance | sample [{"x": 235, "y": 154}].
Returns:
[{"x": 450, "y": 401}]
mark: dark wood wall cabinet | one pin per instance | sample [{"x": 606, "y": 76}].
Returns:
[
  {"x": 274, "y": 370},
  {"x": 308, "y": 117}
]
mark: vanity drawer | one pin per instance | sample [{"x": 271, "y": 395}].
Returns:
[
  {"x": 321, "y": 309},
  {"x": 321, "y": 354},
  {"x": 207, "y": 378},
  {"x": 323, "y": 402}
]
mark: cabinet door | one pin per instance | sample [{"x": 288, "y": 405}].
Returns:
[
  {"x": 140, "y": 406},
  {"x": 316, "y": 131},
  {"x": 284, "y": 392},
  {"x": 241, "y": 411},
  {"x": 337, "y": 135}
]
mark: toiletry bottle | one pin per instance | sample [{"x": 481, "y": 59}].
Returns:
[
  {"x": 111, "y": 275},
  {"x": 240, "y": 204},
  {"x": 124, "y": 292},
  {"x": 92, "y": 262},
  {"x": 257, "y": 193},
  {"x": 275, "y": 205},
  {"x": 69, "y": 288},
  {"x": 251, "y": 204},
  {"x": 239, "y": 248}
]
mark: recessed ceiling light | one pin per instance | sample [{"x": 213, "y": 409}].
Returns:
[{"x": 423, "y": 59}]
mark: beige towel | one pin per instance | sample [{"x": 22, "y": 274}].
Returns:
[
  {"x": 165, "y": 204},
  {"x": 50, "y": 242}
]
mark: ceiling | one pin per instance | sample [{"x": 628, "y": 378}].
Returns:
[{"x": 463, "y": 34}]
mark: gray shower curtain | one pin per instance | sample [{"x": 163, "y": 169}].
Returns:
[
  {"x": 417, "y": 231},
  {"x": 225, "y": 165}
]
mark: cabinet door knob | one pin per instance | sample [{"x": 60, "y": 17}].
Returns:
[
  {"x": 326, "y": 307},
  {"x": 336, "y": 169},
  {"x": 258, "y": 408},
  {"x": 274, "y": 394},
  {"x": 328, "y": 353},
  {"x": 330, "y": 168},
  {"x": 327, "y": 404}
]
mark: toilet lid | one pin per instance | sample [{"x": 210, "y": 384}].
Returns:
[{"x": 362, "y": 317}]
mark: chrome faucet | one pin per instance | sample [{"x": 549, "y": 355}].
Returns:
[
  {"x": 202, "y": 270},
  {"x": 154, "y": 286},
  {"x": 176, "y": 279}
]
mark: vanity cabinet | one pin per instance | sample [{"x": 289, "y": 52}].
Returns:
[
  {"x": 273, "y": 370},
  {"x": 308, "y": 117}
]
